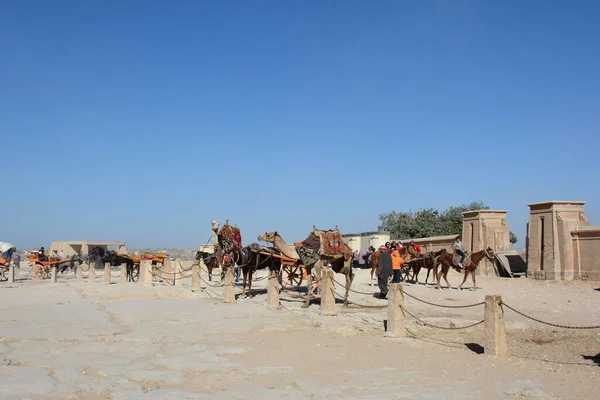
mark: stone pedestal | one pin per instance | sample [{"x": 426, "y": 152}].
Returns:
[
  {"x": 11, "y": 273},
  {"x": 106, "y": 276},
  {"x": 196, "y": 277},
  {"x": 92, "y": 273},
  {"x": 496, "y": 343},
  {"x": 145, "y": 273},
  {"x": 327, "y": 293},
  {"x": 273, "y": 291},
  {"x": 123, "y": 273},
  {"x": 53, "y": 274},
  {"x": 79, "y": 272},
  {"x": 396, "y": 323},
  {"x": 229, "y": 287},
  {"x": 167, "y": 272}
]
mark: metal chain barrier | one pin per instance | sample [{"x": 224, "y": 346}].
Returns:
[
  {"x": 448, "y": 328},
  {"x": 548, "y": 323},
  {"x": 442, "y": 305}
]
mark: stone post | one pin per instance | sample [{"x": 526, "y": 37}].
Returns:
[
  {"x": 196, "y": 277},
  {"x": 229, "y": 287},
  {"x": 177, "y": 271},
  {"x": 396, "y": 324},
  {"x": 146, "y": 273},
  {"x": 53, "y": 274},
  {"x": 273, "y": 290},
  {"x": 495, "y": 341},
  {"x": 167, "y": 272},
  {"x": 92, "y": 272},
  {"x": 123, "y": 273},
  {"x": 11, "y": 273},
  {"x": 106, "y": 274},
  {"x": 79, "y": 272},
  {"x": 327, "y": 294}
]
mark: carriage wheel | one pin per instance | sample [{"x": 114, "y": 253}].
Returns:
[
  {"x": 46, "y": 273},
  {"x": 36, "y": 271},
  {"x": 407, "y": 272},
  {"x": 290, "y": 276},
  {"x": 3, "y": 276},
  {"x": 135, "y": 274}
]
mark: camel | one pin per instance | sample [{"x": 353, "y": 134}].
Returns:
[
  {"x": 338, "y": 264},
  {"x": 445, "y": 259}
]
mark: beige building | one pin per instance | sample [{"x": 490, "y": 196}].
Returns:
[
  {"x": 364, "y": 240},
  {"x": 483, "y": 229},
  {"x": 82, "y": 247},
  {"x": 561, "y": 244},
  {"x": 433, "y": 243}
]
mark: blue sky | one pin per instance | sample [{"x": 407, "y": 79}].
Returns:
[{"x": 144, "y": 120}]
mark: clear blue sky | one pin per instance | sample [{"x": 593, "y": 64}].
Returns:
[{"x": 144, "y": 120}]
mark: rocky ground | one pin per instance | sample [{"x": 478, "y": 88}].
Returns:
[{"x": 122, "y": 341}]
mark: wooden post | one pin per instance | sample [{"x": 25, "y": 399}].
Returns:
[
  {"x": 107, "y": 273},
  {"x": 273, "y": 290},
  {"x": 146, "y": 273},
  {"x": 11, "y": 273},
  {"x": 229, "y": 287},
  {"x": 396, "y": 324},
  {"x": 53, "y": 274},
  {"x": 496, "y": 343},
  {"x": 177, "y": 271},
  {"x": 327, "y": 294},
  {"x": 196, "y": 277},
  {"x": 123, "y": 273}
]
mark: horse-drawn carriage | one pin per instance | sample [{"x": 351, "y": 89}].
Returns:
[
  {"x": 6, "y": 252},
  {"x": 41, "y": 268}
]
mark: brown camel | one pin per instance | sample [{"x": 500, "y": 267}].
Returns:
[
  {"x": 338, "y": 264},
  {"x": 445, "y": 259}
]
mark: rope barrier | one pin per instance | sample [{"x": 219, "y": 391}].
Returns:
[
  {"x": 450, "y": 328},
  {"x": 548, "y": 323},
  {"x": 443, "y": 305}
]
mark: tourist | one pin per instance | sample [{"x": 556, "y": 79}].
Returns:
[
  {"x": 355, "y": 259},
  {"x": 397, "y": 262},
  {"x": 417, "y": 247},
  {"x": 384, "y": 270},
  {"x": 361, "y": 258},
  {"x": 457, "y": 247},
  {"x": 17, "y": 260}
]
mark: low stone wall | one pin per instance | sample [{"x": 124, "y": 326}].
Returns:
[
  {"x": 586, "y": 252},
  {"x": 433, "y": 243}
]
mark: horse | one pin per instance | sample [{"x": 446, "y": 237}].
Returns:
[
  {"x": 407, "y": 253},
  {"x": 71, "y": 263},
  {"x": 445, "y": 259},
  {"x": 210, "y": 261},
  {"x": 428, "y": 261},
  {"x": 116, "y": 260},
  {"x": 250, "y": 259}
]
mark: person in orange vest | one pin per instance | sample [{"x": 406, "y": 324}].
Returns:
[{"x": 397, "y": 262}]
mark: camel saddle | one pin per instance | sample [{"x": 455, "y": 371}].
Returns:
[{"x": 328, "y": 243}]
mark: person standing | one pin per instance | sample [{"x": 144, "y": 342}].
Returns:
[
  {"x": 361, "y": 258},
  {"x": 397, "y": 262},
  {"x": 384, "y": 271},
  {"x": 17, "y": 260}
]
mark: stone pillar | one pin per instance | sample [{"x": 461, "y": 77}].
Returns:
[
  {"x": 196, "y": 277},
  {"x": 167, "y": 272},
  {"x": 327, "y": 294},
  {"x": 79, "y": 273},
  {"x": 92, "y": 272},
  {"x": 229, "y": 287},
  {"x": 495, "y": 342},
  {"x": 177, "y": 271},
  {"x": 106, "y": 274},
  {"x": 145, "y": 273},
  {"x": 273, "y": 290},
  {"x": 123, "y": 273},
  {"x": 53, "y": 274},
  {"x": 396, "y": 324},
  {"x": 11, "y": 273}
]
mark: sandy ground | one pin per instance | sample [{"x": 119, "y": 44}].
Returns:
[{"x": 122, "y": 341}]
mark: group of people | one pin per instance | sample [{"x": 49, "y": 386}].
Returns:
[{"x": 390, "y": 264}]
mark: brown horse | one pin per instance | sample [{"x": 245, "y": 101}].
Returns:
[
  {"x": 210, "y": 261},
  {"x": 251, "y": 259},
  {"x": 445, "y": 259},
  {"x": 407, "y": 253},
  {"x": 428, "y": 261}
]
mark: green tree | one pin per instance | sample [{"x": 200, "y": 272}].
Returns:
[{"x": 513, "y": 238}]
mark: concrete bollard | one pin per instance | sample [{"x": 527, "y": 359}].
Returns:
[
  {"x": 123, "y": 273},
  {"x": 229, "y": 287},
  {"x": 146, "y": 273},
  {"x": 92, "y": 273},
  {"x": 495, "y": 341},
  {"x": 196, "y": 277},
  {"x": 327, "y": 294},
  {"x": 53, "y": 274},
  {"x": 106, "y": 274},
  {"x": 396, "y": 323},
  {"x": 11, "y": 273},
  {"x": 273, "y": 290},
  {"x": 178, "y": 272}
]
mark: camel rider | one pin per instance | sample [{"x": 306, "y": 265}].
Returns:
[
  {"x": 458, "y": 249},
  {"x": 417, "y": 247}
]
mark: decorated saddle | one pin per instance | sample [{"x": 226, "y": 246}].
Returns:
[
  {"x": 230, "y": 238},
  {"x": 323, "y": 243}
]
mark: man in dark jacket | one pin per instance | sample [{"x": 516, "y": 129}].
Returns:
[{"x": 384, "y": 271}]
